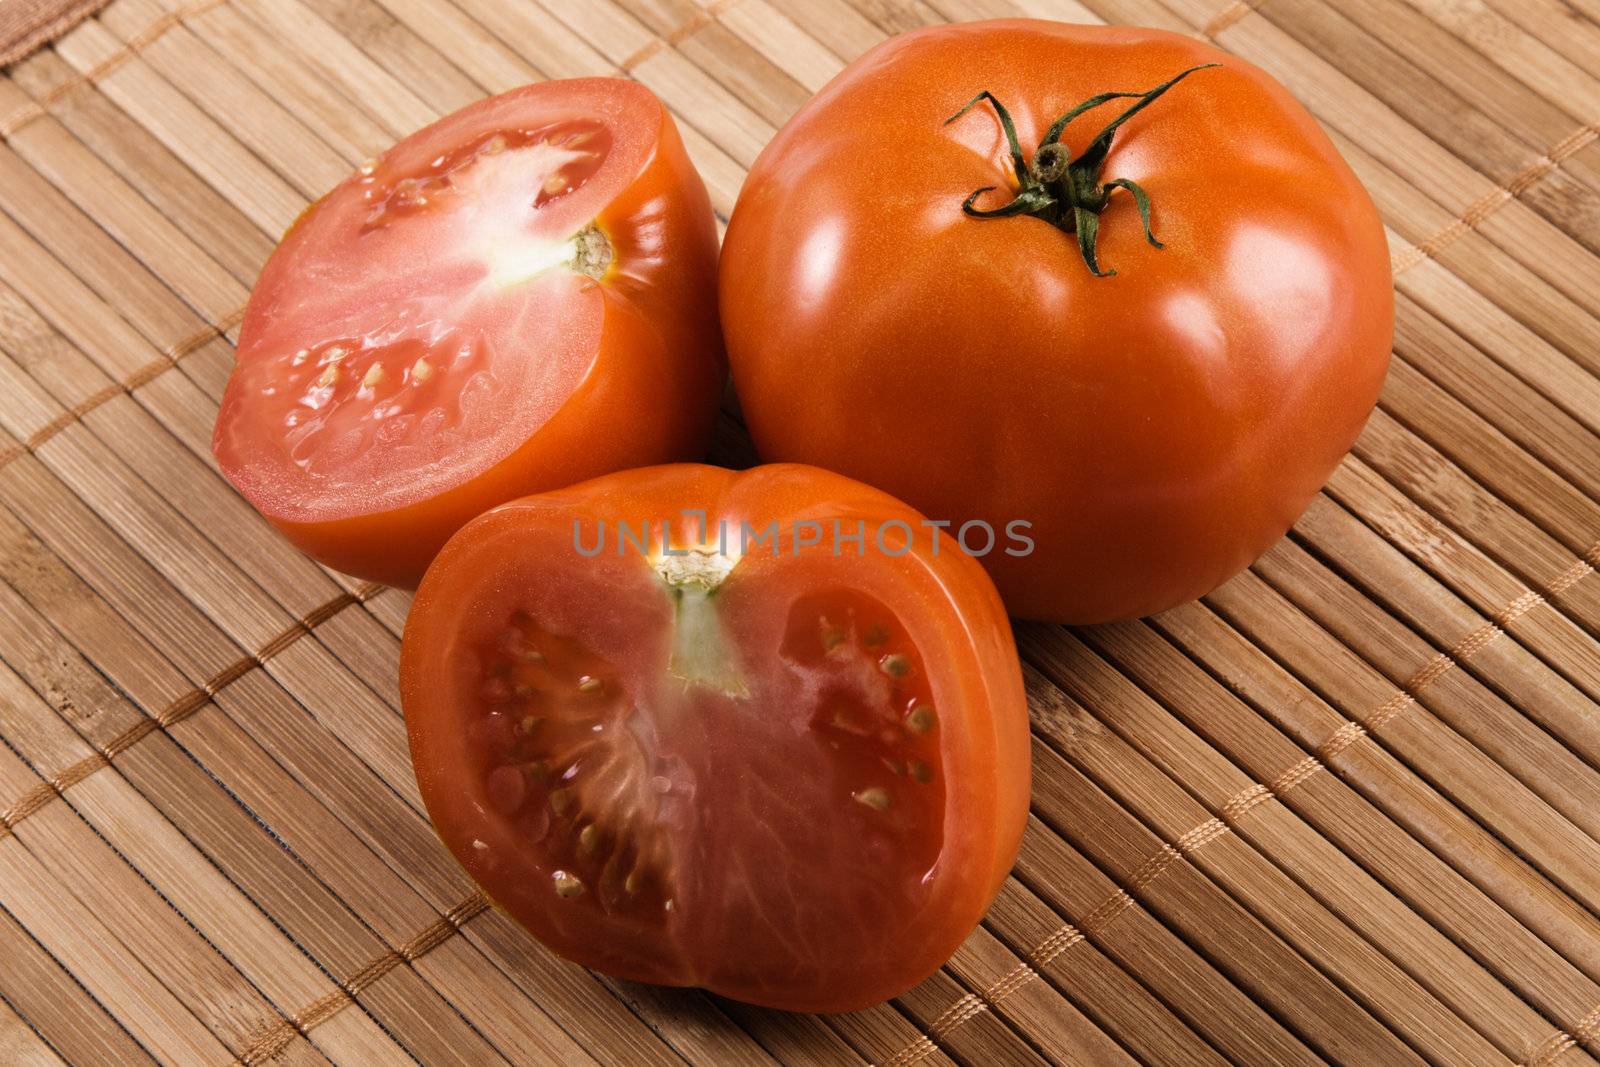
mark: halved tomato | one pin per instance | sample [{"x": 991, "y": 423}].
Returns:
[
  {"x": 515, "y": 298},
  {"x": 705, "y": 754}
]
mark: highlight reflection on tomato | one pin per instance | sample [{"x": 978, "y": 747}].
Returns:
[
  {"x": 515, "y": 298},
  {"x": 1160, "y": 414},
  {"x": 790, "y": 776}
]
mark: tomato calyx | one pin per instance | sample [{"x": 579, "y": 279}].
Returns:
[{"x": 1061, "y": 190}]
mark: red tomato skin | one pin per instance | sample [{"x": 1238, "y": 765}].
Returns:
[
  {"x": 651, "y": 394},
  {"x": 1159, "y": 428},
  {"x": 991, "y": 748}
]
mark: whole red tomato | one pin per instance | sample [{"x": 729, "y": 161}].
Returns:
[
  {"x": 1160, "y": 404},
  {"x": 515, "y": 298},
  {"x": 758, "y": 754}
]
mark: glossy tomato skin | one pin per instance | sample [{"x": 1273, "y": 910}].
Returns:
[
  {"x": 649, "y": 395},
  {"x": 740, "y": 949},
  {"x": 1160, "y": 428}
]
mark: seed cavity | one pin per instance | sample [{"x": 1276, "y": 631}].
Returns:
[
  {"x": 921, "y": 720},
  {"x": 561, "y": 777},
  {"x": 874, "y": 797}
]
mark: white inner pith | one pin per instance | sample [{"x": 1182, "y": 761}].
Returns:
[{"x": 701, "y": 654}]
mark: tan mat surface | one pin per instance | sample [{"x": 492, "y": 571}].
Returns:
[{"x": 1345, "y": 809}]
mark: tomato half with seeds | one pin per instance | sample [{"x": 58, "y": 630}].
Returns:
[
  {"x": 518, "y": 297},
  {"x": 679, "y": 754}
]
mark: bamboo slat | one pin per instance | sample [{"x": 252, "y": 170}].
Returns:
[{"x": 212, "y": 849}]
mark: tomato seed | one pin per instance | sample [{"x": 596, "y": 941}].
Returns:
[
  {"x": 421, "y": 370},
  {"x": 832, "y": 636},
  {"x": 921, "y": 772},
  {"x": 895, "y": 665},
  {"x": 567, "y": 885},
  {"x": 875, "y": 797},
  {"x": 921, "y": 719}
]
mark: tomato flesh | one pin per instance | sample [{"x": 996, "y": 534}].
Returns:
[
  {"x": 516, "y": 298},
  {"x": 750, "y": 785},
  {"x": 661, "y": 797},
  {"x": 438, "y": 385}
]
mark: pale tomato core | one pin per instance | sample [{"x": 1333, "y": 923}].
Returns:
[
  {"x": 566, "y": 154},
  {"x": 431, "y": 314},
  {"x": 767, "y": 820}
]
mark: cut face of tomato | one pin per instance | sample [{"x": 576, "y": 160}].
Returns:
[
  {"x": 413, "y": 345},
  {"x": 795, "y": 779}
]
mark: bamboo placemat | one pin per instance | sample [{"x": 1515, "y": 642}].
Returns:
[{"x": 211, "y": 845}]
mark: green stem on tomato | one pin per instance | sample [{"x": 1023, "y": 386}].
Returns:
[{"x": 1061, "y": 190}]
